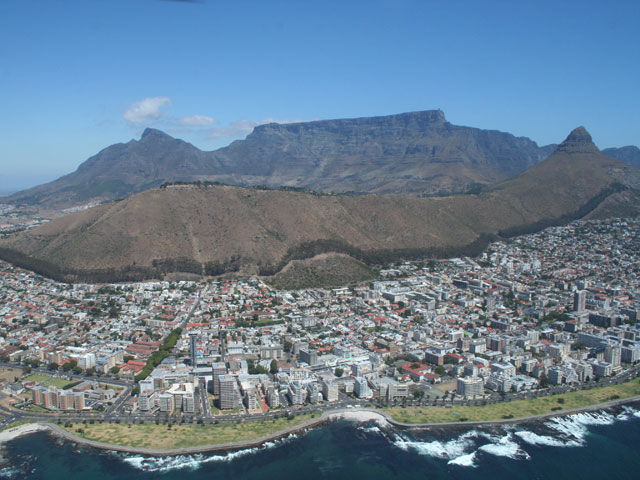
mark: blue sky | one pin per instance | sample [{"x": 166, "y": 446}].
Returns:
[{"x": 77, "y": 76}]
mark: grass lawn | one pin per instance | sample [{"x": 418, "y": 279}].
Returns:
[
  {"x": 47, "y": 380},
  {"x": 445, "y": 387},
  {"x": 516, "y": 408},
  {"x": 9, "y": 374},
  {"x": 161, "y": 437}
]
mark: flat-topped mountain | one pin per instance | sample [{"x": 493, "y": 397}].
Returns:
[
  {"x": 418, "y": 153},
  {"x": 213, "y": 229}
]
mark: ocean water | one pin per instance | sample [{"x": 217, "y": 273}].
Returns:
[{"x": 599, "y": 445}]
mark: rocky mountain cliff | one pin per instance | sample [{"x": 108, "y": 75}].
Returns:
[
  {"x": 418, "y": 153},
  {"x": 214, "y": 229}
]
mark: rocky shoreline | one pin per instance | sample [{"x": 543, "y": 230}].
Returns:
[{"x": 358, "y": 415}]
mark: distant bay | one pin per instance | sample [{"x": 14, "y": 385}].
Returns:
[{"x": 587, "y": 446}]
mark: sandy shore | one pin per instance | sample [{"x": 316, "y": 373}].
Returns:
[
  {"x": 360, "y": 416},
  {"x": 20, "y": 430}
]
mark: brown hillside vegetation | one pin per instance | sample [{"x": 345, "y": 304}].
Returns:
[
  {"x": 325, "y": 270},
  {"x": 212, "y": 229}
]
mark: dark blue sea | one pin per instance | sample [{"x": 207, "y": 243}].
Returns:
[{"x": 599, "y": 445}]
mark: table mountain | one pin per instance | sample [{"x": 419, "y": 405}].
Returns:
[{"x": 418, "y": 153}]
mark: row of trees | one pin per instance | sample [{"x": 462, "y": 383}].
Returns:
[
  {"x": 163, "y": 352},
  {"x": 283, "y": 188},
  {"x": 160, "y": 267},
  {"x": 584, "y": 210},
  {"x": 259, "y": 369},
  {"x": 376, "y": 257}
]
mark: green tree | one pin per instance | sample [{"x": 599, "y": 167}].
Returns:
[
  {"x": 69, "y": 365},
  {"x": 274, "y": 367},
  {"x": 339, "y": 372},
  {"x": 544, "y": 381}
]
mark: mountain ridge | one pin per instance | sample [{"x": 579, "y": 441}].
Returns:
[
  {"x": 417, "y": 153},
  {"x": 629, "y": 154}
]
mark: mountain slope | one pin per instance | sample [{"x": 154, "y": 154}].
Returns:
[
  {"x": 211, "y": 229},
  {"x": 120, "y": 170},
  {"x": 418, "y": 153},
  {"x": 572, "y": 175}
]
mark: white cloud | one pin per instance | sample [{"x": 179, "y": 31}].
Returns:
[
  {"x": 197, "y": 121},
  {"x": 241, "y": 128},
  {"x": 146, "y": 109}
]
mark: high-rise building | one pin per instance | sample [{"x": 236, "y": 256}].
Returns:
[
  {"x": 361, "y": 388},
  {"x": 330, "y": 391},
  {"x": 251, "y": 399},
  {"x": 78, "y": 401},
  {"x": 188, "y": 403},
  {"x": 273, "y": 398},
  {"x": 310, "y": 357},
  {"x": 165, "y": 402},
  {"x": 297, "y": 394},
  {"x": 65, "y": 401},
  {"x": 229, "y": 394},
  {"x": 613, "y": 355},
  {"x": 38, "y": 394},
  {"x": 146, "y": 401},
  {"x": 193, "y": 341},
  {"x": 146, "y": 386},
  {"x": 470, "y": 387},
  {"x": 218, "y": 369},
  {"x": 579, "y": 301}
]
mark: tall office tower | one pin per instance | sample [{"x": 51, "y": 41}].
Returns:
[
  {"x": 193, "y": 338},
  {"x": 579, "y": 301},
  {"x": 219, "y": 368}
]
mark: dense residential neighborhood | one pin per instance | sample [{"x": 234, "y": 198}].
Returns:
[{"x": 555, "y": 309}]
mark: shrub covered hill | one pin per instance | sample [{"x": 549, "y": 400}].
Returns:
[
  {"x": 215, "y": 229},
  {"x": 418, "y": 153}
]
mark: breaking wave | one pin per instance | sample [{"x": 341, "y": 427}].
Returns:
[
  {"x": 465, "y": 450},
  {"x": 9, "y": 472},
  {"x": 513, "y": 442},
  {"x": 447, "y": 450},
  {"x": 193, "y": 462}
]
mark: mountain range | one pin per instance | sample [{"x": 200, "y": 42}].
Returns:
[
  {"x": 212, "y": 229},
  {"x": 417, "y": 153},
  {"x": 629, "y": 154}
]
